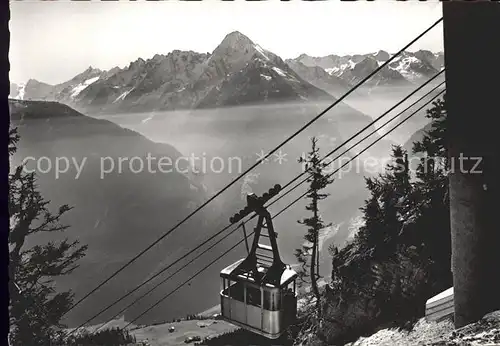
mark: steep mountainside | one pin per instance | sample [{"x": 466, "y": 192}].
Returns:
[
  {"x": 387, "y": 76},
  {"x": 412, "y": 68},
  {"x": 261, "y": 82},
  {"x": 119, "y": 206},
  {"x": 35, "y": 90},
  {"x": 241, "y": 72},
  {"x": 163, "y": 82},
  {"x": 318, "y": 77}
]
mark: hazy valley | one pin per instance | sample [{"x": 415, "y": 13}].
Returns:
[{"x": 237, "y": 102}]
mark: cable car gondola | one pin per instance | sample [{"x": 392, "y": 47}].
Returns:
[{"x": 259, "y": 291}]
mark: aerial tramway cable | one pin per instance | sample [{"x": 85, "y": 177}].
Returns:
[
  {"x": 358, "y": 154},
  {"x": 289, "y": 183},
  {"x": 376, "y": 120},
  {"x": 252, "y": 167},
  {"x": 276, "y": 215},
  {"x": 358, "y": 142},
  {"x": 281, "y": 211}
]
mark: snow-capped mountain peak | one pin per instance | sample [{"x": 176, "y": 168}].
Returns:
[
  {"x": 237, "y": 71},
  {"x": 406, "y": 68},
  {"x": 412, "y": 68}
]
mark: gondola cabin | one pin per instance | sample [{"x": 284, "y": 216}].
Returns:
[
  {"x": 266, "y": 309},
  {"x": 259, "y": 291}
]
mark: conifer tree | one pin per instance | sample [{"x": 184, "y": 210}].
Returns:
[
  {"x": 383, "y": 211},
  {"x": 429, "y": 227},
  {"x": 401, "y": 255},
  {"x": 318, "y": 180},
  {"x": 36, "y": 308}
]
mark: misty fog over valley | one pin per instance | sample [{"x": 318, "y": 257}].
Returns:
[
  {"x": 226, "y": 108},
  {"x": 125, "y": 211}
]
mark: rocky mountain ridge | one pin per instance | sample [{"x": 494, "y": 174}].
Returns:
[
  {"x": 238, "y": 71},
  {"x": 410, "y": 65},
  {"x": 230, "y": 75}
]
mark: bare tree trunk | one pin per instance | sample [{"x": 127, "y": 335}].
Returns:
[
  {"x": 314, "y": 278},
  {"x": 317, "y": 257},
  {"x": 314, "y": 282}
]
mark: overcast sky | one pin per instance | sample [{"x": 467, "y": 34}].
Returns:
[{"x": 53, "y": 41}]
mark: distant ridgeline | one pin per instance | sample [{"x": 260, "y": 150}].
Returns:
[{"x": 237, "y": 72}]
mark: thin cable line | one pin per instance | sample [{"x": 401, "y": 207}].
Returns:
[
  {"x": 286, "y": 193},
  {"x": 361, "y": 152},
  {"x": 276, "y": 215},
  {"x": 168, "y": 278},
  {"x": 251, "y": 167},
  {"x": 354, "y": 145}
]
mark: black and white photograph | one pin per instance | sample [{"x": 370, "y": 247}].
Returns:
[{"x": 292, "y": 173}]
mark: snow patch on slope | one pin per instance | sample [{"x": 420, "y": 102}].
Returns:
[
  {"x": 279, "y": 71},
  {"x": 337, "y": 71},
  {"x": 402, "y": 65},
  {"x": 266, "y": 77},
  {"x": 122, "y": 96},
  {"x": 80, "y": 87},
  {"x": 330, "y": 70},
  {"x": 286, "y": 75},
  {"x": 261, "y": 51}
]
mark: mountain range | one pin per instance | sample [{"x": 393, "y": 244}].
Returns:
[
  {"x": 126, "y": 211},
  {"x": 408, "y": 67},
  {"x": 237, "y": 72}
]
